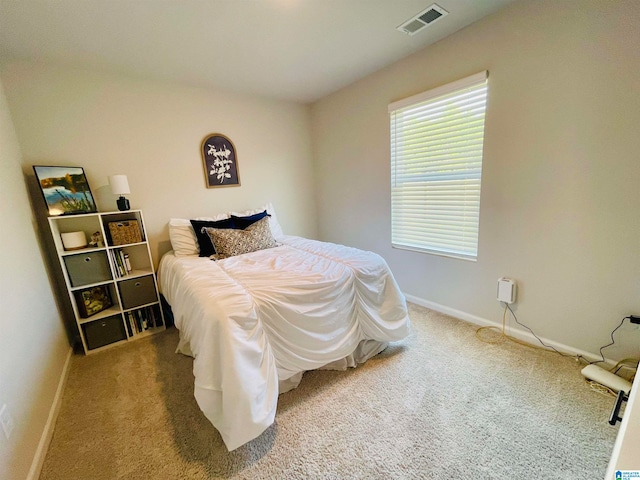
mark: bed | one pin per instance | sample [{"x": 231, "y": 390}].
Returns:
[{"x": 255, "y": 322}]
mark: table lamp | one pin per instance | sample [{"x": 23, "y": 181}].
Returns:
[{"x": 120, "y": 186}]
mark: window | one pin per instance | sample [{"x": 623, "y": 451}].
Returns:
[{"x": 436, "y": 165}]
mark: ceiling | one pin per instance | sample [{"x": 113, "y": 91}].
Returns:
[{"x": 297, "y": 50}]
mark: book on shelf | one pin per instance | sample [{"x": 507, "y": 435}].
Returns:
[
  {"x": 121, "y": 261},
  {"x": 143, "y": 319},
  {"x": 127, "y": 263}
]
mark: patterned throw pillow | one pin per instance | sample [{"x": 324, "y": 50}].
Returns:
[{"x": 231, "y": 242}]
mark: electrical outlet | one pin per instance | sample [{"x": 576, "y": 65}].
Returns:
[{"x": 6, "y": 420}]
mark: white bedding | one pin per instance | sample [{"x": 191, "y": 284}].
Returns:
[{"x": 255, "y": 322}]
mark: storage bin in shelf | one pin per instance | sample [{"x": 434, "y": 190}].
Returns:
[
  {"x": 87, "y": 268},
  {"x": 123, "y": 228},
  {"x": 104, "y": 331},
  {"x": 137, "y": 292},
  {"x": 125, "y": 232}
]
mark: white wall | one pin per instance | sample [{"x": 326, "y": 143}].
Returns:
[
  {"x": 33, "y": 343},
  {"x": 152, "y": 133},
  {"x": 560, "y": 209}
]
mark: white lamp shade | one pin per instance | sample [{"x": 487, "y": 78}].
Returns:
[{"x": 119, "y": 184}]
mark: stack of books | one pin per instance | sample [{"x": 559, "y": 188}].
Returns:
[
  {"x": 143, "y": 319},
  {"x": 121, "y": 261}
]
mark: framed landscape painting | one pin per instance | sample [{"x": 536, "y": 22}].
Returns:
[
  {"x": 65, "y": 190},
  {"x": 220, "y": 161}
]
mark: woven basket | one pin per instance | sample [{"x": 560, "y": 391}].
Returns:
[{"x": 125, "y": 232}]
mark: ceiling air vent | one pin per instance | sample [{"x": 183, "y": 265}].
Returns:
[{"x": 422, "y": 19}]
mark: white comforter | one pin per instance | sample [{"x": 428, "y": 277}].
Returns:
[{"x": 255, "y": 322}]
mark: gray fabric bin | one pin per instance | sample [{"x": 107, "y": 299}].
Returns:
[
  {"x": 137, "y": 291},
  {"x": 88, "y": 268},
  {"x": 103, "y": 332}
]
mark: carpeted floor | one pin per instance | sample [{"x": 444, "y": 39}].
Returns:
[{"x": 440, "y": 404}]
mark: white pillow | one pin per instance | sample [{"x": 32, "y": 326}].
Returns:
[
  {"x": 276, "y": 229},
  {"x": 183, "y": 238}
]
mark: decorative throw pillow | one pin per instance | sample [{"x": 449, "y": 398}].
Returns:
[
  {"x": 276, "y": 229},
  {"x": 231, "y": 242},
  {"x": 204, "y": 241},
  {"x": 244, "y": 222}
]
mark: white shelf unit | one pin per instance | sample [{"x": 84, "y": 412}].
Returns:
[{"x": 135, "y": 309}]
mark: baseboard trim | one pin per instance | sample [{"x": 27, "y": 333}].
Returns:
[
  {"x": 47, "y": 433},
  {"x": 518, "y": 333}
]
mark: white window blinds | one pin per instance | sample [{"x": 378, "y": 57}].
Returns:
[{"x": 436, "y": 165}]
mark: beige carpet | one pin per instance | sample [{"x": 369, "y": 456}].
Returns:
[{"x": 440, "y": 404}]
